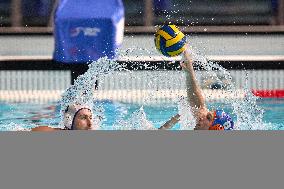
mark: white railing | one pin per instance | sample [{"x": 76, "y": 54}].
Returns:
[
  {"x": 133, "y": 87},
  {"x": 175, "y": 80},
  {"x": 34, "y": 80}
]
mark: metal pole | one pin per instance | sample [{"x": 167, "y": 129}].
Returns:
[
  {"x": 16, "y": 13},
  {"x": 281, "y": 12},
  {"x": 149, "y": 13}
]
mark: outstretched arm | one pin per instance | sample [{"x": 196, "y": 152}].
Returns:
[
  {"x": 45, "y": 128},
  {"x": 169, "y": 124},
  {"x": 194, "y": 92}
]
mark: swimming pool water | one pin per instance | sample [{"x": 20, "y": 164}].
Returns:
[{"x": 23, "y": 115}]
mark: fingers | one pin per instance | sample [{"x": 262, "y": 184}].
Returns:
[
  {"x": 175, "y": 119},
  {"x": 184, "y": 65},
  {"x": 177, "y": 116},
  {"x": 187, "y": 49}
]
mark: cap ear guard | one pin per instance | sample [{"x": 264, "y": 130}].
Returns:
[
  {"x": 229, "y": 125},
  {"x": 67, "y": 121}
]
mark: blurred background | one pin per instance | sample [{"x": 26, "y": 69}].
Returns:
[
  {"x": 243, "y": 36},
  {"x": 28, "y": 13}
]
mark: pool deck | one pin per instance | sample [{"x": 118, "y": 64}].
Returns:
[{"x": 209, "y": 45}]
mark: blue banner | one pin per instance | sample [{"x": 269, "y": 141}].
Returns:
[{"x": 87, "y": 30}]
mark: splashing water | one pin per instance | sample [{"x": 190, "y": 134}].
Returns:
[
  {"x": 151, "y": 78},
  {"x": 187, "y": 120},
  {"x": 249, "y": 115},
  {"x": 137, "y": 121},
  {"x": 16, "y": 127},
  {"x": 82, "y": 91}
]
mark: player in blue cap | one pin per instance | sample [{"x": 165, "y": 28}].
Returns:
[{"x": 205, "y": 119}]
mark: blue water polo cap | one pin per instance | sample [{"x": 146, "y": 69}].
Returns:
[{"x": 222, "y": 121}]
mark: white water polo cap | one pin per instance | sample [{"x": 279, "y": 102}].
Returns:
[{"x": 70, "y": 114}]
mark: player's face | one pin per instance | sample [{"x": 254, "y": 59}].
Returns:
[
  {"x": 204, "y": 121},
  {"x": 84, "y": 120}
]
